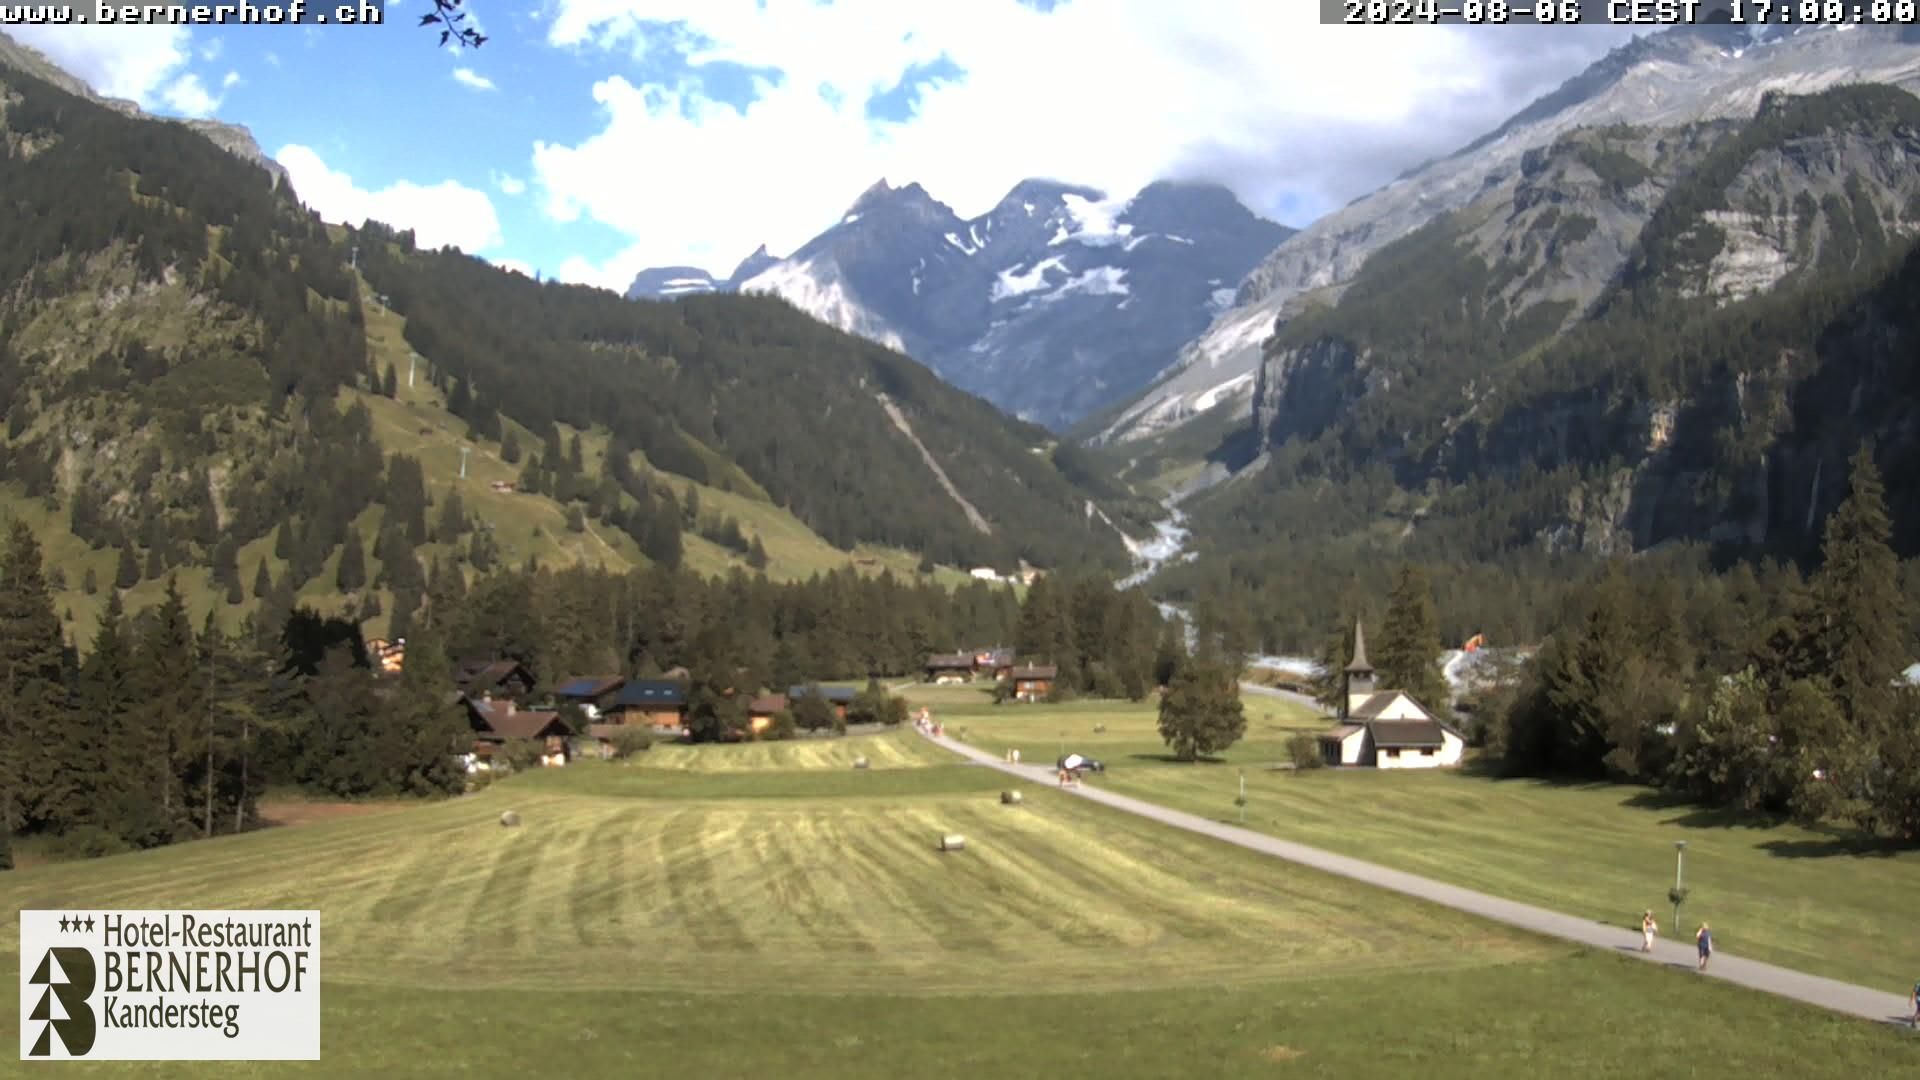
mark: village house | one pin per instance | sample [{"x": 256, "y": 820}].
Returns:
[
  {"x": 996, "y": 662},
  {"x": 1386, "y": 729},
  {"x": 592, "y": 693},
  {"x": 657, "y": 703},
  {"x": 1033, "y": 682},
  {"x": 496, "y": 722},
  {"x": 494, "y": 678},
  {"x": 387, "y": 657},
  {"x": 838, "y": 696},
  {"x": 950, "y": 668},
  {"x": 762, "y": 710}
]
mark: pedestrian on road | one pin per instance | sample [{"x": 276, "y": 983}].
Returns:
[
  {"x": 1914, "y": 1000},
  {"x": 1703, "y": 937},
  {"x": 1647, "y": 929}
]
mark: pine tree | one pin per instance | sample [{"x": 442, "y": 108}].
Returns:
[
  {"x": 173, "y": 689},
  {"x": 37, "y": 773},
  {"x": 127, "y": 574},
  {"x": 262, "y": 580},
  {"x": 156, "y": 562},
  {"x": 283, "y": 542},
  {"x": 352, "y": 573},
  {"x": 6, "y": 847},
  {"x": 510, "y": 448},
  {"x": 428, "y": 732},
  {"x": 90, "y": 582},
  {"x": 390, "y": 383},
  {"x": 453, "y": 519},
  {"x": 122, "y": 800},
  {"x": 1860, "y": 640},
  {"x": 576, "y": 461},
  {"x": 1409, "y": 650},
  {"x": 757, "y": 555}
]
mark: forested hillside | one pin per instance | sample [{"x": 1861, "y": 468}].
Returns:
[
  {"x": 197, "y": 380},
  {"x": 1668, "y": 340}
]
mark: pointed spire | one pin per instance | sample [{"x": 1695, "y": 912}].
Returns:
[{"x": 1359, "y": 665}]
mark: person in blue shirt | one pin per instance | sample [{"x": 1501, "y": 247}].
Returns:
[{"x": 1704, "y": 939}]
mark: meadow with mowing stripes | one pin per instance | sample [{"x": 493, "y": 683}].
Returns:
[
  {"x": 1116, "y": 732},
  {"x": 771, "y": 909}
]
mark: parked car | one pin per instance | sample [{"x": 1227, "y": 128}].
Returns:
[{"x": 1081, "y": 763}]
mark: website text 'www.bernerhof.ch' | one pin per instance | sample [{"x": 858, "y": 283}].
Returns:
[{"x": 228, "y": 13}]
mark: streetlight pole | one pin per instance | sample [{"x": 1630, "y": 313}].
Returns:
[
  {"x": 1242, "y": 800},
  {"x": 1679, "y": 893}
]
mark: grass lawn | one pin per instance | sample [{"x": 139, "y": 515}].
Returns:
[
  {"x": 1777, "y": 893},
  {"x": 780, "y": 916},
  {"x": 1132, "y": 735}
]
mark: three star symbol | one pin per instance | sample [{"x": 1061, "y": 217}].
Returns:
[{"x": 76, "y": 923}]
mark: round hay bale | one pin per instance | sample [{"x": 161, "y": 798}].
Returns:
[
  {"x": 860, "y": 762},
  {"x": 1099, "y": 729},
  {"x": 1010, "y": 798},
  {"x": 510, "y": 819},
  {"x": 953, "y": 843}
]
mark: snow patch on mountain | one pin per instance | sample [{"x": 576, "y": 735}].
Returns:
[
  {"x": 818, "y": 291},
  {"x": 961, "y": 244},
  {"x": 1096, "y": 224},
  {"x": 1099, "y": 281},
  {"x": 1013, "y": 282}
]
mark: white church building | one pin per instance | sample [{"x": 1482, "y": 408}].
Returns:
[{"x": 1386, "y": 729}]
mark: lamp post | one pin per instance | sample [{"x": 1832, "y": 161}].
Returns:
[
  {"x": 1241, "y": 802},
  {"x": 1679, "y": 893}
]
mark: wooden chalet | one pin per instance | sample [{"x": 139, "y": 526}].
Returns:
[
  {"x": 657, "y": 703},
  {"x": 387, "y": 657},
  {"x": 592, "y": 693},
  {"x": 762, "y": 710},
  {"x": 1033, "y": 682},
  {"x": 494, "y": 678},
  {"x": 495, "y": 722},
  {"x": 997, "y": 663},
  {"x": 838, "y": 696},
  {"x": 950, "y": 668}
]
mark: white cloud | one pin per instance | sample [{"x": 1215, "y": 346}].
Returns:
[
  {"x": 210, "y": 49},
  {"x": 440, "y": 214},
  {"x": 230, "y": 80},
  {"x": 509, "y": 184},
  {"x": 469, "y": 77},
  {"x": 1113, "y": 93},
  {"x": 188, "y": 96},
  {"x": 133, "y": 62}
]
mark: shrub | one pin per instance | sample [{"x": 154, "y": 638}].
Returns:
[
  {"x": 628, "y": 741},
  {"x": 895, "y": 713},
  {"x": 1304, "y": 749},
  {"x": 519, "y": 755},
  {"x": 86, "y": 842},
  {"x": 782, "y": 726}
]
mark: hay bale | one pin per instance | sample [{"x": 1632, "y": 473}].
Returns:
[
  {"x": 1099, "y": 729},
  {"x": 953, "y": 843},
  {"x": 510, "y": 819},
  {"x": 1009, "y": 798},
  {"x": 860, "y": 762}
]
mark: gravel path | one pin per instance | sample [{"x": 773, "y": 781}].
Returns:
[{"x": 1812, "y": 989}]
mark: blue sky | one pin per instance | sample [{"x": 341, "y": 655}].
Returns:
[{"x": 590, "y": 138}]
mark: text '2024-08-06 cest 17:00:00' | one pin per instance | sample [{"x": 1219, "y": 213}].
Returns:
[{"x": 1650, "y": 13}]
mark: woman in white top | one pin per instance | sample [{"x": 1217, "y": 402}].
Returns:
[{"x": 1647, "y": 929}]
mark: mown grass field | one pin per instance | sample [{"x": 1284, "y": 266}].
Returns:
[
  {"x": 1131, "y": 736},
  {"x": 1773, "y": 892},
  {"x": 776, "y": 915}
]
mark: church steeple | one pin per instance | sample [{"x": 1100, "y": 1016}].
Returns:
[{"x": 1359, "y": 672}]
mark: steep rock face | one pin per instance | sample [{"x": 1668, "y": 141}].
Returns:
[
  {"x": 673, "y": 282},
  {"x": 1664, "y": 80},
  {"x": 1690, "y": 326}
]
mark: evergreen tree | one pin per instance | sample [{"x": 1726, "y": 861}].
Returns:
[
  {"x": 262, "y": 580},
  {"x": 352, "y": 574},
  {"x": 156, "y": 561},
  {"x": 172, "y": 687},
  {"x": 37, "y": 773},
  {"x": 283, "y": 542},
  {"x": 90, "y": 582},
  {"x": 757, "y": 555},
  {"x": 1860, "y": 643},
  {"x": 127, "y": 574},
  {"x": 453, "y": 519},
  {"x": 1201, "y": 712},
  {"x": 123, "y": 799},
  {"x": 510, "y": 448},
  {"x": 1168, "y": 653},
  {"x": 6, "y": 848},
  {"x": 1408, "y": 655},
  {"x": 576, "y": 461},
  {"x": 428, "y": 731},
  {"x": 576, "y": 521},
  {"x": 390, "y": 383}
]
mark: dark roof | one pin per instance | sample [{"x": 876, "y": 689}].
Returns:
[
  {"x": 489, "y": 675},
  {"x": 1394, "y": 734},
  {"x": 642, "y": 692},
  {"x": 1359, "y": 665},
  {"x": 1376, "y": 703},
  {"x": 950, "y": 661},
  {"x": 503, "y": 719},
  {"x": 588, "y": 686},
  {"x": 1341, "y": 732},
  {"x": 769, "y": 704},
  {"x": 1036, "y": 671},
  {"x": 831, "y": 693}
]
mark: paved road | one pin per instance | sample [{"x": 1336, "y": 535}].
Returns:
[{"x": 1812, "y": 989}]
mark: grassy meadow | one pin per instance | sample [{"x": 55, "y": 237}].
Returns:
[{"x": 721, "y": 911}]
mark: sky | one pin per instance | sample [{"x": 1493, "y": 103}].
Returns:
[{"x": 588, "y": 139}]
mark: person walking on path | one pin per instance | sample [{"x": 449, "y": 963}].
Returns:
[
  {"x": 1647, "y": 930},
  {"x": 1913, "y": 999},
  {"x": 1703, "y": 937}
]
